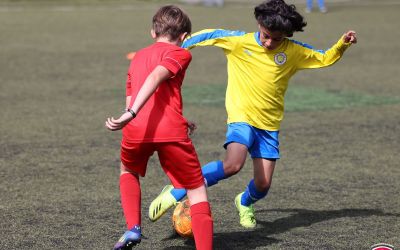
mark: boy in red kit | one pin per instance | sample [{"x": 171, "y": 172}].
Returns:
[{"x": 153, "y": 122}]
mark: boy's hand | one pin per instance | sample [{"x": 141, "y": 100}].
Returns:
[
  {"x": 192, "y": 127},
  {"x": 350, "y": 37},
  {"x": 117, "y": 124}
]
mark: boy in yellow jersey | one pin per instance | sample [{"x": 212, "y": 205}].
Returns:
[{"x": 260, "y": 65}]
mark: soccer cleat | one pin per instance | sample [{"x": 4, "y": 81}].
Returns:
[
  {"x": 246, "y": 214},
  {"x": 164, "y": 201},
  {"x": 129, "y": 239}
]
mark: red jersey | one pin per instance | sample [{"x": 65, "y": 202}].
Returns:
[{"x": 161, "y": 118}]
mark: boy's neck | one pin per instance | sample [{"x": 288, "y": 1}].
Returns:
[{"x": 164, "y": 39}]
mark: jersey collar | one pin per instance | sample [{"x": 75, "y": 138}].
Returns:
[{"x": 257, "y": 37}]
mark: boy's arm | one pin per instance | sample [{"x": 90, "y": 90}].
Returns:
[
  {"x": 157, "y": 76},
  {"x": 127, "y": 102},
  {"x": 224, "y": 39},
  {"x": 311, "y": 58}
]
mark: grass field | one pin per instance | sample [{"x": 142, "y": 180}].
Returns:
[{"x": 62, "y": 72}]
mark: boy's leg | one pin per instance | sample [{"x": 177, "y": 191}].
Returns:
[
  {"x": 239, "y": 137},
  {"x": 213, "y": 172},
  {"x": 169, "y": 196},
  {"x": 255, "y": 190},
  {"x": 216, "y": 171},
  {"x": 130, "y": 192},
  {"x": 202, "y": 223},
  {"x": 180, "y": 162},
  {"x": 131, "y": 167},
  {"x": 131, "y": 204}
]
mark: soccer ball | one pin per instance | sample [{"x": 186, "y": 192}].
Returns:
[{"x": 181, "y": 220}]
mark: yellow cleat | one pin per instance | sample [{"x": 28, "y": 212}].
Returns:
[
  {"x": 164, "y": 201},
  {"x": 246, "y": 214}
]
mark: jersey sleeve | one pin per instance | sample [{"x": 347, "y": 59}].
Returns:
[
  {"x": 176, "y": 60},
  {"x": 310, "y": 58},
  {"x": 225, "y": 39}
]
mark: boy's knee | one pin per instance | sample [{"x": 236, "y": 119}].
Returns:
[
  {"x": 262, "y": 185},
  {"x": 197, "y": 195},
  {"x": 232, "y": 168},
  {"x": 126, "y": 170}
]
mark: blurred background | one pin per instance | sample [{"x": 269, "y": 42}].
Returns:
[{"x": 62, "y": 72}]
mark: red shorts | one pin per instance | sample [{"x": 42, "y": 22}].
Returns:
[{"x": 178, "y": 160}]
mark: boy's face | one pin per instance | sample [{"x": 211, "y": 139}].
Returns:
[{"x": 271, "y": 39}]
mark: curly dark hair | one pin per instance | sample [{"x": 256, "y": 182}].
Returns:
[{"x": 276, "y": 15}]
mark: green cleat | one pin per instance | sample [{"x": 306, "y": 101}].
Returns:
[
  {"x": 246, "y": 214},
  {"x": 162, "y": 203}
]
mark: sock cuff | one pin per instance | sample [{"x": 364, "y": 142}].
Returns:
[
  {"x": 178, "y": 193},
  {"x": 254, "y": 193},
  {"x": 213, "y": 172},
  {"x": 200, "y": 208},
  {"x": 127, "y": 177},
  {"x": 220, "y": 170}
]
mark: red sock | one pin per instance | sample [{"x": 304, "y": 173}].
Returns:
[
  {"x": 202, "y": 225},
  {"x": 129, "y": 187}
]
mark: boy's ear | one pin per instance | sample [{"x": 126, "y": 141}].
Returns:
[
  {"x": 153, "y": 34},
  {"x": 183, "y": 36}
]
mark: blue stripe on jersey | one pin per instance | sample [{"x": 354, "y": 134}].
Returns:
[
  {"x": 210, "y": 35},
  {"x": 308, "y": 46}
]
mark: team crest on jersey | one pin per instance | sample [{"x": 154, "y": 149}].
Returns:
[{"x": 280, "y": 58}]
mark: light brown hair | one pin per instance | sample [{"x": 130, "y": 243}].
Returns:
[{"x": 171, "y": 21}]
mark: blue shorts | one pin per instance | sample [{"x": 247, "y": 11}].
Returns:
[{"x": 260, "y": 143}]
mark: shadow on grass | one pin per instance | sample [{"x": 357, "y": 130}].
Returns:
[{"x": 251, "y": 239}]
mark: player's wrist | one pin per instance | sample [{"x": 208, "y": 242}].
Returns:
[{"x": 132, "y": 113}]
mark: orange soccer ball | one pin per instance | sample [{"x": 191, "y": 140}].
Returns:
[{"x": 181, "y": 220}]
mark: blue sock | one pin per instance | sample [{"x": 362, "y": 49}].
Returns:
[
  {"x": 251, "y": 195},
  {"x": 212, "y": 172},
  {"x": 178, "y": 193}
]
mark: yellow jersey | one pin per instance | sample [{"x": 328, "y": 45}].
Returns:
[{"x": 258, "y": 77}]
